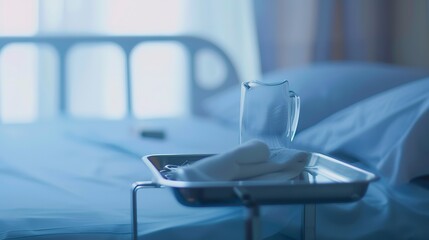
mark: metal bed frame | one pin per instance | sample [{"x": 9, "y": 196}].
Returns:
[{"x": 193, "y": 45}]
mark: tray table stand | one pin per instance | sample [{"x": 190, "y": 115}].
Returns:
[{"x": 252, "y": 224}]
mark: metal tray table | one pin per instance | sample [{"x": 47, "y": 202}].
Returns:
[{"x": 323, "y": 180}]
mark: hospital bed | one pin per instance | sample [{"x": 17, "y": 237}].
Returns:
[{"x": 70, "y": 178}]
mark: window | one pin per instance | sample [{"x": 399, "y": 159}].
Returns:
[
  {"x": 18, "y": 88},
  {"x": 96, "y": 74}
]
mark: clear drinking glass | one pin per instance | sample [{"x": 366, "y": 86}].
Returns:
[{"x": 268, "y": 112}]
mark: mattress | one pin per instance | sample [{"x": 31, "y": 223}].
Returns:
[{"x": 71, "y": 179}]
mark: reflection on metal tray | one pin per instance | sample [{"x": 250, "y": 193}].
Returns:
[{"x": 324, "y": 179}]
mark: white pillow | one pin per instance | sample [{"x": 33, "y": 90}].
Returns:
[
  {"x": 389, "y": 132},
  {"x": 324, "y": 89}
]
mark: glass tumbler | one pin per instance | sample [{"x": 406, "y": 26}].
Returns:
[{"x": 269, "y": 112}]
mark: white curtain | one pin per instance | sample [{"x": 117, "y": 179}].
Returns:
[
  {"x": 230, "y": 24},
  {"x": 295, "y": 33}
]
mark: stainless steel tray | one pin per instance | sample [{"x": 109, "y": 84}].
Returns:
[{"x": 323, "y": 180}]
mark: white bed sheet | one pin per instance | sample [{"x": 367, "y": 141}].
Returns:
[{"x": 71, "y": 180}]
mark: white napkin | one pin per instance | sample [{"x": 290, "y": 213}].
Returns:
[{"x": 249, "y": 160}]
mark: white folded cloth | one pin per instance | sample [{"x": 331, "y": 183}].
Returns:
[{"x": 250, "y": 160}]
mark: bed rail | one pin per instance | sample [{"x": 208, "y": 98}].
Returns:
[{"x": 63, "y": 44}]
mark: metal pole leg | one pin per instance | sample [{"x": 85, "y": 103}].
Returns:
[
  {"x": 252, "y": 228},
  {"x": 252, "y": 222},
  {"x": 137, "y": 186},
  {"x": 308, "y": 229}
]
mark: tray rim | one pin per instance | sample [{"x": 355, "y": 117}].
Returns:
[{"x": 158, "y": 179}]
